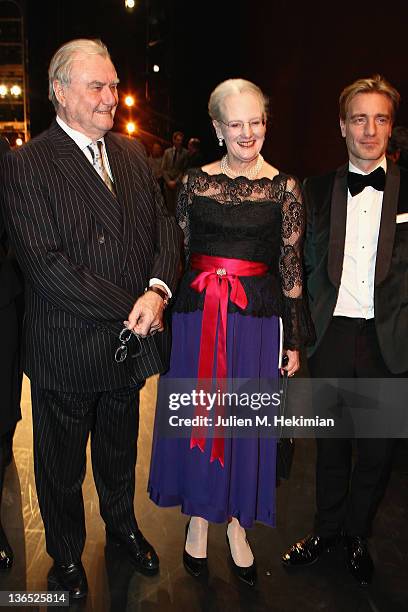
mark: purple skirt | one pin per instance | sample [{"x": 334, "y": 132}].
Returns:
[{"x": 179, "y": 476}]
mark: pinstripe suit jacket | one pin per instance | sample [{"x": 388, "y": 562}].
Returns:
[{"x": 87, "y": 256}]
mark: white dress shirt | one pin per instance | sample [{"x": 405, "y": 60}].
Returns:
[
  {"x": 356, "y": 293},
  {"x": 83, "y": 142}
]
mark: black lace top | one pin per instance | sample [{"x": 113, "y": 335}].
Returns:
[{"x": 259, "y": 220}]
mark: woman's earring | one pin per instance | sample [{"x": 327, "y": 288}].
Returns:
[{"x": 220, "y": 141}]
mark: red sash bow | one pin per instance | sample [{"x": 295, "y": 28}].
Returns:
[{"x": 216, "y": 274}]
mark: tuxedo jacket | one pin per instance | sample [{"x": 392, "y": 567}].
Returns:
[
  {"x": 326, "y": 206},
  {"x": 87, "y": 256}
]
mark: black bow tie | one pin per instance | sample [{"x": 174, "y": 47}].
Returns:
[{"x": 357, "y": 182}]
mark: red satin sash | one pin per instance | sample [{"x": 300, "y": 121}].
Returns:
[{"x": 215, "y": 275}]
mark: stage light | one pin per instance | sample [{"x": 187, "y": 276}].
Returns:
[
  {"x": 129, "y": 101},
  {"x": 19, "y": 142},
  {"x": 156, "y": 68},
  {"x": 16, "y": 90},
  {"x": 3, "y": 90},
  {"x": 130, "y": 4},
  {"x": 131, "y": 128}
]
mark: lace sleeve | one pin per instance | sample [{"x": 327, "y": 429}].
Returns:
[
  {"x": 184, "y": 199},
  {"x": 297, "y": 324}
]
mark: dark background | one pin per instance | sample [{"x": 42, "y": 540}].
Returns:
[{"x": 300, "y": 53}]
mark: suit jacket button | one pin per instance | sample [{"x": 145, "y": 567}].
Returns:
[{"x": 101, "y": 239}]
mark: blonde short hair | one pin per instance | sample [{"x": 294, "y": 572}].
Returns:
[
  {"x": 231, "y": 87},
  {"x": 61, "y": 62},
  {"x": 374, "y": 84}
]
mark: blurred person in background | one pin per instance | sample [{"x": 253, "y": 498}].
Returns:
[
  {"x": 173, "y": 167},
  {"x": 397, "y": 149},
  {"x": 155, "y": 160},
  {"x": 195, "y": 158},
  {"x": 11, "y": 300}
]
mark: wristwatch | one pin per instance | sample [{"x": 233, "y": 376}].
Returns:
[{"x": 161, "y": 292}]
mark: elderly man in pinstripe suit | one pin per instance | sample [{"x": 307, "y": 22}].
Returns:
[{"x": 90, "y": 231}]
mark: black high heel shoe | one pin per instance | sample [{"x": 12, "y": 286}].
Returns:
[
  {"x": 196, "y": 566},
  {"x": 6, "y": 553},
  {"x": 245, "y": 574}
]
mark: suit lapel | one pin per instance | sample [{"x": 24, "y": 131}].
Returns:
[
  {"x": 86, "y": 182},
  {"x": 388, "y": 222},
  {"x": 338, "y": 217},
  {"x": 120, "y": 163}
]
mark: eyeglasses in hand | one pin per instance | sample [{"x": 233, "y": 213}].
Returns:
[{"x": 121, "y": 352}]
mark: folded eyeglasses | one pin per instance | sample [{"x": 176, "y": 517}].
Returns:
[{"x": 122, "y": 351}]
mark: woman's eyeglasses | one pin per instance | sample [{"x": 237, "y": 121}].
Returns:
[{"x": 238, "y": 126}]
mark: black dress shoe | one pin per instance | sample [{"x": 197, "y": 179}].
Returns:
[
  {"x": 358, "y": 559},
  {"x": 196, "y": 566},
  {"x": 309, "y": 550},
  {"x": 68, "y": 577},
  {"x": 245, "y": 574},
  {"x": 6, "y": 553},
  {"x": 141, "y": 553}
]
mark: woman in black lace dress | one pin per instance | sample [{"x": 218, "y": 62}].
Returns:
[{"x": 243, "y": 222}]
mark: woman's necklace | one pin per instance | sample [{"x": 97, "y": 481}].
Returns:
[{"x": 251, "y": 174}]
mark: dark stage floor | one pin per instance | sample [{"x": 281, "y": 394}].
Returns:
[{"x": 114, "y": 586}]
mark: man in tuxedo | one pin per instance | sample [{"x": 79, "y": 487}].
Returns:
[
  {"x": 174, "y": 164},
  {"x": 356, "y": 243},
  {"x": 100, "y": 254}
]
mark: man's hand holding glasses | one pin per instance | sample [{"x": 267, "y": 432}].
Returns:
[
  {"x": 146, "y": 316},
  {"x": 145, "y": 319}
]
